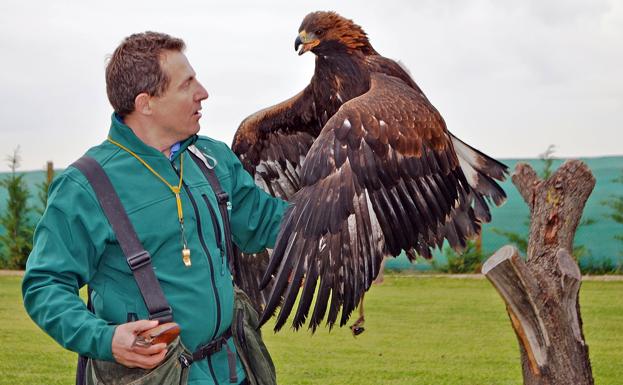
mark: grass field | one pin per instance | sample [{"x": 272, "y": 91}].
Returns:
[{"x": 418, "y": 331}]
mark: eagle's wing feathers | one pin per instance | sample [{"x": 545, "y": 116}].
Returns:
[
  {"x": 381, "y": 177},
  {"x": 481, "y": 170},
  {"x": 272, "y": 143}
]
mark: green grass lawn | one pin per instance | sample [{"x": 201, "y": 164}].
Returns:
[{"x": 418, "y": 331}]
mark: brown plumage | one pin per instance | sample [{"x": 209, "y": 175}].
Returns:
[{"x": 370, "y": 168}]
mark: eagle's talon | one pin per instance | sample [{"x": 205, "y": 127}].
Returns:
[{"x": 357, "y": 328}]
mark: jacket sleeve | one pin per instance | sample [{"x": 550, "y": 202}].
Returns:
[
  {"x": 67, "y": 244},
  {"x": 255, "y": 215}
]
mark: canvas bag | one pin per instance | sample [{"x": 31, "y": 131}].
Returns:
[{"x": 170, "y": 371}]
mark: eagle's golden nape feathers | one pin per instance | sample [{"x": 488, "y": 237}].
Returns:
[{"x": 329, "y": 27}]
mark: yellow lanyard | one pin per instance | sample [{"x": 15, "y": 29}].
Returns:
[{"x": 176, "y": 191}]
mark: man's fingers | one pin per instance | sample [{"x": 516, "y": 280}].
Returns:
[
  {"x": 135, "y": 360},
  {"x": 149, "y": 350},
  {"x": 125, "y": 334},
  {"x": 141, "y": 325},
  {"x": 127, "y": 353}
]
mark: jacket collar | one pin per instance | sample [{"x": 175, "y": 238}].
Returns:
[{"x": 123, "y": 134}]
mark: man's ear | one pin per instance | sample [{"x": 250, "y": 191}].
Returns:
[{"x": 141, "y": 104}]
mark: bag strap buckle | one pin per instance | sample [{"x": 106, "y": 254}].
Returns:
[
  {"x": 222, "y": 197},
  {"x": 208, "y": 349},
  {"x": 139, "y": 260},
  {"x": 185, "y": 360},
  {"x": 212, "y": 347},
  {"x": 163, "y": 316}
]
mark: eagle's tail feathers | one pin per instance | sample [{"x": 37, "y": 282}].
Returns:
[{"x": 481, "y": 172}]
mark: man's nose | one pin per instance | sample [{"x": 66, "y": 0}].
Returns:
[{"x": 203, "y": 93}]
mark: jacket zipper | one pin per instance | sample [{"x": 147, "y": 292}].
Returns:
[
  {"x": 217, "y": 232},
  {"x": 216, "y": 298},
  {"x": 205, "y": 248},
  {"x": 212, "y": 370}
]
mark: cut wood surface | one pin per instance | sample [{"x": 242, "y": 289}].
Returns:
[{"x": 541, "y": 293}]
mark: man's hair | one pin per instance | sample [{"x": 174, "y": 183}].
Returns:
[{"x": 135, "y": 68}]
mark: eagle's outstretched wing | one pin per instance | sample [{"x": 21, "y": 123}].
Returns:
[
  {"x": 382, "y": 177},
  {"x": 272, "y": 143}
]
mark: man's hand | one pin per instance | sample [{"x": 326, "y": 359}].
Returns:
[{"x": 128, "y": 354}]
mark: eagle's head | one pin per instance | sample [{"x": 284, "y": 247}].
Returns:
[{"x": 325, "y": 33}]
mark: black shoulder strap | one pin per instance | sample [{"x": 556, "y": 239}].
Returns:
[
  {"x": 137, "y": 257},
  {"x": 223, "y": 199}
]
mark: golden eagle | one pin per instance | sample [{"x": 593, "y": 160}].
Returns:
[{"x": 370, "y": 169}]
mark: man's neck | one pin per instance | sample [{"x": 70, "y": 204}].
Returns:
[{"x": 149, "y": 136}]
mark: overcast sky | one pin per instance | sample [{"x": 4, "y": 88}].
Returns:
[{"x": 509, "y": 77}]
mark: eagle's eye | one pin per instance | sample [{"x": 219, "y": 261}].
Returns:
[{"x": 319, "y": 32}]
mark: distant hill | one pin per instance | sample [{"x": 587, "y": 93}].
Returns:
[{"x": 511, "y": 216}]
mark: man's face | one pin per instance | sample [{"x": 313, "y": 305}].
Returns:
[{"x": 176, "y": 112}]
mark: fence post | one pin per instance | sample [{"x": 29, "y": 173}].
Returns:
[{"x": 50, "y": 171}]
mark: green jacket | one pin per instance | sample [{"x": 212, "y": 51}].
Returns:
[{"x": 74, "y": 245}]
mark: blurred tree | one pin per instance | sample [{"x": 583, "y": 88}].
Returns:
[
  {"x": 547, "y": 159},
  {"x": 468, "y": 261},
  {"x": 16, "y": 242},
  {"x": 44, "y": 187},
  {"x": 521, "y": 240}
]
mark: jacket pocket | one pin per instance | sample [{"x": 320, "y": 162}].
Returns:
[
  {"x": 112, "y": 305},
  {"x": 218, "y": 236}
]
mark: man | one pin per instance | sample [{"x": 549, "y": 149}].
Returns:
[{"x": 157, "y": 102}]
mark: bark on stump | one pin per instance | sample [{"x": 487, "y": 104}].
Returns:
[{"x": 541, "y": 293}]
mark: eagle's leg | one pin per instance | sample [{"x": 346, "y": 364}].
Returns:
[
  {"x": 357, "y": 328},
  {"x": 380, "y": 278}
]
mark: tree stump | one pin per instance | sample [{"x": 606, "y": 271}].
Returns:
[{"x": 541, "y": 293}]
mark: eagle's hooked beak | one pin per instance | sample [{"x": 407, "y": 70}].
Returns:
[{"x": 308, "y": 40}]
